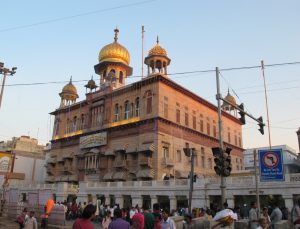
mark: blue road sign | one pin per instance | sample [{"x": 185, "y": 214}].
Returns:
[{"x": 271, "y": 165}]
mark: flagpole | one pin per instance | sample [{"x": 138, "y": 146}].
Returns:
[{"x": 143, "y": 31}]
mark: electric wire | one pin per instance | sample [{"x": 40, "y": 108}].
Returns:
[
  {"x": 170, "y": 74},
  {"x": 75, "y": 16}
]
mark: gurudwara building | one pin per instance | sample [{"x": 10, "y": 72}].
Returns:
[{"x": 136, "y": 132}]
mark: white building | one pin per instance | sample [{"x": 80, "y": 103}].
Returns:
[
  {"x": 28, "y": 159},
  {"x": 290, "y": 162}
]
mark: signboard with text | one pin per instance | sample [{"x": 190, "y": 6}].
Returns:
[
  {"x": 4, "y": 161},
  {"x": 93, "y": 140},
  {"x": 271, "y": 165}
]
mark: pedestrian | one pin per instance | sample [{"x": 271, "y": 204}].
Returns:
[
  {"x": 167, "y": 222},
  {"x": 31, "y": 222},
  {"x": 106, "y": 220},
  {"x": 118, "y": 222},
  {"x": 263, "y": 224},
  {"x": 21, "y": 219},
  {"x": 188, "y": 223},
  {"x": 148, "y": 218},
  {"x": 295, "y": 213},
  {"x": 157, "y": 220},
  {"x": 276, "y": 215},
  {"x": 265, "y": 214},
  {"x": 253, "y": 216},
  {"x": 87, "y": 215},
  {"x": 138, "y": 221}
]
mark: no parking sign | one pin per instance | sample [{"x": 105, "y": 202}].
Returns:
[{"x": 271, "y": 165}]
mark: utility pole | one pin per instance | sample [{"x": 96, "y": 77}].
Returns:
[
  {"x": 218, "y": 97},
  {"x": 266, "y": 99},
  {"x": 5, "y": 71},
  {"x": 191, "y": 152},
  {"x": 256, "y": 180}
]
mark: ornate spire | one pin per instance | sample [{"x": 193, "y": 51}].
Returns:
[
  {"x": 116, "y": 34},
  {"x": 157, "y": 40},
  {"x": 70, "y": 80}
]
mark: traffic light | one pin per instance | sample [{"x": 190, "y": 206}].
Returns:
[
  {"x": 227, "y": 162},
  {"x": 218, "y": 154},
  {"x": 242, "y": 114},
  {"x": 261, "y": 125}
]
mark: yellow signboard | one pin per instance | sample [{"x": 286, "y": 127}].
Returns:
[{"x": 5, "y": 161}]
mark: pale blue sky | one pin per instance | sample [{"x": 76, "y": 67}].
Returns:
[{"x": 198, "y": 35}]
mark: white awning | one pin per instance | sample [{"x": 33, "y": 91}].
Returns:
[
  {"x": 120, "y": 175},
  {"x": 109, "y": 152},
  {"x": 145, "y": 173},
  {"x": 68, "y": 155},
  {"x": 181, "y": 174},
  {"x": 147, "y": 147},
  {"x": 108, "y": 176}
]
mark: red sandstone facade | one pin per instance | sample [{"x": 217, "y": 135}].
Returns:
[{"x": 136, "y": 132}]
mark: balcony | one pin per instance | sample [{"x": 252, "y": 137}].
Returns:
[
  {"x": 102, "y": 164},
  {"x": 50, "y": 170},
  {"x": 167, "y": 162},
  {"x": 120, "y": 163},
  {"x": 146, "y": 161}
]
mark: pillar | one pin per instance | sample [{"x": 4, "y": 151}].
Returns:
[
  {"x": 230, "y": 201},
  {"x": 153, "y": 200},
  {"x": 288, "y": 201},
  {"x": 120, "y": 201},
  {"x": 137, "y": 200},
  {"x": 107, "y": 200},
  {"x": 173, "y": 203}
]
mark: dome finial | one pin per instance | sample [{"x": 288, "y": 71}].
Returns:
[
  {"x": 70, "y": 79},
  {"x": 116, "y": 34},
  {"x": 157, "y": 40},
  {"x": 92, "y": 77}
]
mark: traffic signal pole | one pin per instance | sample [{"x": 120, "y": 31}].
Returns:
[
  {"x": 191, "y": 180},
  {"x": 218, "y": 97}
]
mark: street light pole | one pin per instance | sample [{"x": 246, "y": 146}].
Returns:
[
  {"x": 5, "y": 71},
  {"x": 218, "y": 97}
]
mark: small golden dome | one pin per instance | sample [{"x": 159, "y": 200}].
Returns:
[
  {"x": 157, "y": 50},
  {"x": 70, "y": 89},
  {"x": 91, "y": 84},
  {"x": 230, "y": 99},
  {"x": 114, "y": 52}
]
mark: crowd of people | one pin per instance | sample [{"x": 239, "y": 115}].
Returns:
[
  {"x": 121, "y": 218},
  {"x": 114, "y": 217}
]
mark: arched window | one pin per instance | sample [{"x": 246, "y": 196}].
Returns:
[
  {"x": 126, "y": 110},
  {"x": 121, "y": 77},
  {"x": 148, "y": 102},
  {"x": 116, "y": 113},
  {"x": 82, "y": 122},
  {"x": 75, "y": 123},
  {"x": 68, "y": 126},
  {"x": 56, "y": 127},
  {"x": 137, "y": 107}
]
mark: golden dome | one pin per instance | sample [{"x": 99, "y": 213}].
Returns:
[
  {"x": 69, "y": 91},
  {"x": 157, "y": 50},
  {"x": 230, "y": 99},
  {"x": 91, "y": 84},
  {"x": 114, "y": 52}
]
